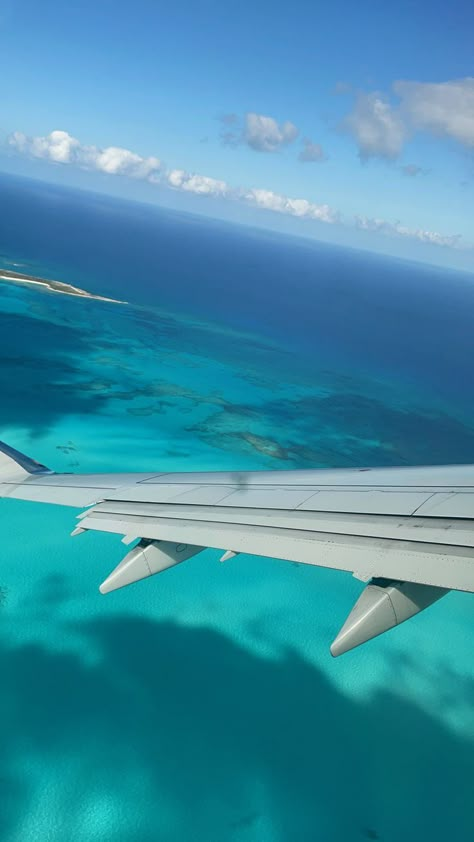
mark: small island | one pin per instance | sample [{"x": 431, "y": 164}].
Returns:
[{"x": 52, "y": 286}]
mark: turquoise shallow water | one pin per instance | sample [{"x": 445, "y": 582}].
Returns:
[{"x": 204, "y": 704}]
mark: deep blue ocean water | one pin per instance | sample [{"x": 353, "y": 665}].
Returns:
[{"x": 204, "y": 704}]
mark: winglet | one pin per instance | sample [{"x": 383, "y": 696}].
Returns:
[{"x": 16, "y": 466}]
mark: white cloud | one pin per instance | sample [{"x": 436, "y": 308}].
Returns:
[
  {"x": 444, "y": 109},
  {"x": 61, "y": 147},
  {"x": 395, "y": 228},
  {"x": 260, "y": 132},
  {"x": 193, "y": 183},
  {"x": 266, "y": 135},
  {"x": 311, "y": 151},
  {"x": 266, "y": 199},
  {"x": 377, "y": 127},
  {"x": 58, "y": 146},
  {"x": 294, "y": 207},
  {"x": 118, "y": 161}
]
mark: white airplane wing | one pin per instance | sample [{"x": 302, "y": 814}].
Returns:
[{"x": 407, "y": 532}]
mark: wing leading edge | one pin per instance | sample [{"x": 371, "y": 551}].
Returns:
[{"x": 407, "y": 532}]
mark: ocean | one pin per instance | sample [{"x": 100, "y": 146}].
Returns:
[{"x": 203, "y": 705}]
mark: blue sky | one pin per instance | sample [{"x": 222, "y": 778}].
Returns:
[{"x": 218, "y": 102}]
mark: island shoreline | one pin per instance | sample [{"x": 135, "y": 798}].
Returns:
[{"x": 9, "y": 276}]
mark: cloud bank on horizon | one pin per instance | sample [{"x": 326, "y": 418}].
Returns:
[
  {"x": 379, "y": 126},
  {"x": 60, "y": 147},
  {"x": 341, "y": 123}
]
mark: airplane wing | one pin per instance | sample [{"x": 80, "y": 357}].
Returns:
[{"x": 407, "y": 532}]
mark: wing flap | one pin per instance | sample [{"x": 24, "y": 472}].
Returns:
[
  {"x": 427, "y": 530},
  {"x": 442, "y": 565}
]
